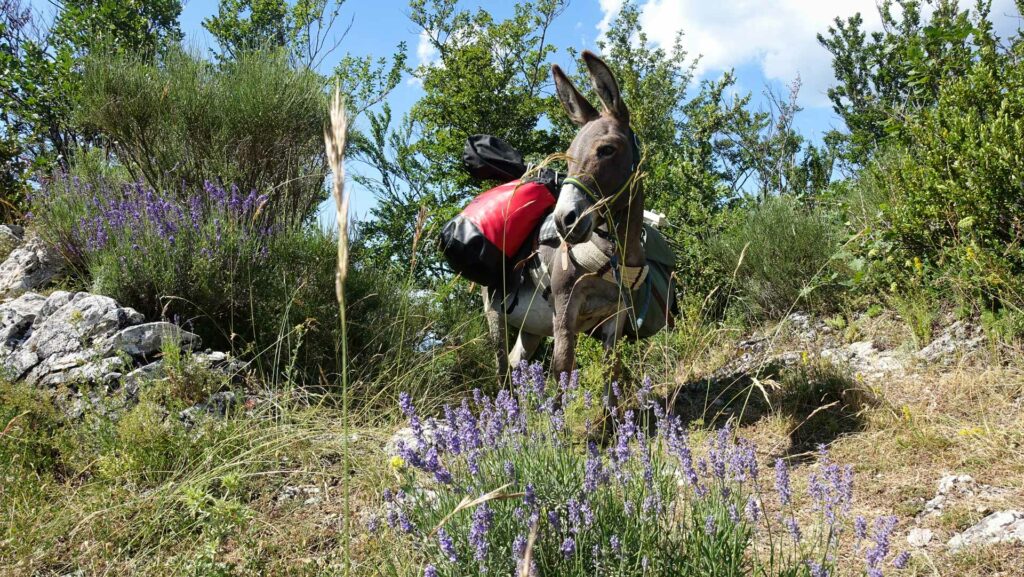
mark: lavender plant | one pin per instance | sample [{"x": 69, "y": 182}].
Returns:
[
  {"x": 209, "y": 254},
  {"x": 493, "y": 474}
]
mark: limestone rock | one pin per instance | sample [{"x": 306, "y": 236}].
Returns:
[
  {"x": 63, "y": 339},
  {"x": 999, "y": 527},
  {"x": 958, "y": 339},
  {"x": 30, "y": 266},
  {"x": 919, "y": 537},
  {"x": 10, "y": 238},
  {"x": 16, "y": 318},
  {"x": 147, "y": 339},
  {"x": 407, "y": 438}
]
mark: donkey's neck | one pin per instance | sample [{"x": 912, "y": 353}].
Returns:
[{"x": 628, "y": 227}]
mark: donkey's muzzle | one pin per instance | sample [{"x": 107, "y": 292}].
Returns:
[{"x": 573, "y": 218}]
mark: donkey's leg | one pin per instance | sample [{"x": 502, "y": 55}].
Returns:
[
  {"x": 566, "y": 314},
  {"x": 497, "y": 330},
  {"x": 524, "y": 349}
]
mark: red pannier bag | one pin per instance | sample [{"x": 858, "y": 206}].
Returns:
[{"x": 482, "y": 240}]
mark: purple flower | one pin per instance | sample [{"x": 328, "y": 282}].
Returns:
[
  {"x": 554, "y": 521},
  {"x": 530, "y": 497},
  {"x": 510, "y": 470},
  {"x": 794, "y": 528},
  {"x": 446, "y": 544},
  {"x": 752, "y": 510},
  {"x": 518, "y": 547},
  {"x": 405, "y": 404},
  {"x": 430, "y": 571},
  {"x": 883, "y": 531},
  {"x": 860, "y": 528},
  {"x": 405, "y": 523},
  {"x": 710, "y": 527},
  {"x": 901, "y": 560},
  {"x": 817, "y": 569},
  {"x": 643, "y": 394},
  {"x": 568, "y": 547},
  {"x": 615, "y": 544},
  {"x": 782, "y": 482},
  {"x": 482, "y": 518}
]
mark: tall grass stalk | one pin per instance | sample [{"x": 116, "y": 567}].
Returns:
[{"x": 334, "y": 142}]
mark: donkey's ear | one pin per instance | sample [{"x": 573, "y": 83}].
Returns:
[
  {"x": 605, "y": 86},
  {"x": 579, "y": 109}
]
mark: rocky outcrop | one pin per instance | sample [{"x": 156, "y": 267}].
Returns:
[
  {"x": 69, "y": 338},
  {"x": 10, "y": 238},
  {"x": 30, "y": 266}
]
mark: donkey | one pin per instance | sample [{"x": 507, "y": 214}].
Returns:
[{"x": 597, "y": 258}]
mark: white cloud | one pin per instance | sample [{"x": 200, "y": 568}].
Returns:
[
  {"x": 609, "y": 8},
  {"x": 777, "y": 36},
  {"x": 426, "y": 52}
]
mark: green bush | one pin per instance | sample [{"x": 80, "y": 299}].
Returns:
[
  {"x": 949, "y": 188},
  {"x": 256, "y": 122},
  {"x": 777, "y": 256}
]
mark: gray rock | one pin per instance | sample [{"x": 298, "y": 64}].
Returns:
[
  {"x": 147, "y": 339},
  {"x": 10, "y": 239},
  {"x": 216, "y": 405},
  {"x": 918, "y": 537},
  {"x": 999, "y": 527},
  {"x": 958, "y": 339},
  {"x": 64, "y": 338},
  {"x": 30, "y": 266},
  {"x": 960, "y": 484},
  {"x": 16, "y": 318}
]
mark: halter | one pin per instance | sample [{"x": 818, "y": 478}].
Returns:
[
  {"x": 593, "y": 259},
  {"x": 635, "y": 145}
]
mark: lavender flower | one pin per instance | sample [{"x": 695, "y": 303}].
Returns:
[
  {"x": 482, "y": 518},
  {"x": 794, "y": 528},
  {"x": 710, "y": 527},
  {"x": 518, "y": 547},
  {"x": 568, "y": 547},
  {"x": 901, "y": 560},
  {"x": 430, "y": 571},
  {"x": 615, "y": 544},
  {"x": 752, "y": 510},
  {"x": 817, "y": 569},
  {"x": 883, "y": 531},
  {"x": 782, "y": 482},
  {"x": 860, "y": 528},
  {"x": 446, "y": 544}
]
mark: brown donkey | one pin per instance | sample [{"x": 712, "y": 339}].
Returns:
[{"x": 582, "y": 279}]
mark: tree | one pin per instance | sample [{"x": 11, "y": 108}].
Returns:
[
  {"x": 245, "y": 25},
  {"x": 42, "y": 73},
  {"x": 901, "y": 68}
]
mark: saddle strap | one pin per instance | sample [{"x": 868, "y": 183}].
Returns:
[{"x": 592, "y": 259}]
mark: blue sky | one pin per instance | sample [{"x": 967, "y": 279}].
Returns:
[{"x": 768, "y": 43}]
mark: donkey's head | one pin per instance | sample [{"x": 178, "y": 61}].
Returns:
[{"x": 602, "y": 157}]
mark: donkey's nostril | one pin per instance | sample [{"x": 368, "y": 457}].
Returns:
[{"x": 570, "y": 218}]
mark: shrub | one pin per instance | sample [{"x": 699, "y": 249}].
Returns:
[
  {"x": 256, "y": 121},
  {"x": 777, "y": 255},
  {"x": 949, "y": 184},
  {"x": 204, "y": 257},
  {"x": 498, "y": 481}
]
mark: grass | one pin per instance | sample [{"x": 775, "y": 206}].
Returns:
[{"x": 145, "y": 495}]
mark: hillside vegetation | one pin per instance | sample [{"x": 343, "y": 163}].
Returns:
[{"x": 848, "y": 346}]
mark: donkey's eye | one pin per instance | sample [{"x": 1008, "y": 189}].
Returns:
[{"x": 605, "y": 151}]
